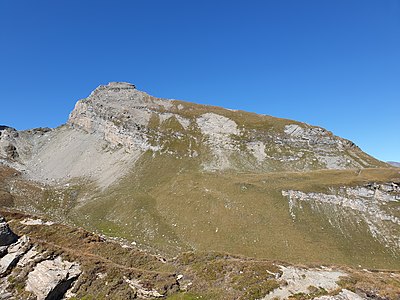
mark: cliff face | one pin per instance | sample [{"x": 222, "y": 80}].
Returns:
[
  {"x": 224, "y": 139},
  {"x": 108, "y": 131}
]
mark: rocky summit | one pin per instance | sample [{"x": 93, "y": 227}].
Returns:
[{"x": 149, "y": 198}]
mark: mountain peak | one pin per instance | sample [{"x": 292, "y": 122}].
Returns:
[
  {"x": 114, "y": 87},
  {"x": 118, "y": 85}
]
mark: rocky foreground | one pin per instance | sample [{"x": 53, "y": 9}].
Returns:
[{"x": 47, "y": 260}]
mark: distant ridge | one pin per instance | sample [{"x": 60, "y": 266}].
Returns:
[{"x": 393, "y": 163}]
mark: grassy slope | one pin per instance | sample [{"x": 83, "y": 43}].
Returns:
[{"x": 165, "y": 205}]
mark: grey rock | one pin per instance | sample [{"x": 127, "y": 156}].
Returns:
[
  {"x": 15, "y": 252},
  {"x": 52, "y": 278}
]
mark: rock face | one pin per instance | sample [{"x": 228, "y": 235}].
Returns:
[
  {"x": 7, "y": 237},
  {"x": 8, "y": 149},
  {"x": 120, "y": 114},
  {"x": 52, "y": 278}
]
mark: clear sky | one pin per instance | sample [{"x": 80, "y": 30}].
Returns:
[{"x": 331, "y": 63}]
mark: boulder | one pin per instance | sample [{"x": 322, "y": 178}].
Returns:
[
  {"x": 52, "y": 278},
  {"x": 15, "y": 252}
]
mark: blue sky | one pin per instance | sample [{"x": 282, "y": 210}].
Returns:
[{"x": 331, "y": 63}]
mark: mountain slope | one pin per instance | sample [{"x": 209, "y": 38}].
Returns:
[
  {"x": 53, "y": 261},
  {"x": 173, "y": 176}
]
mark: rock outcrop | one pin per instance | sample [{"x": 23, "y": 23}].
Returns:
[
  {"x": 373, "y": 205},
  {"x": 50, "y": 279}
]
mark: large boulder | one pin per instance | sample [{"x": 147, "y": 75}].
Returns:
[
  {"x": 14, "y": 253},
  {"x": 52, "y": 278}
]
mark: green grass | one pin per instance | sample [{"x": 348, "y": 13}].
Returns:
[
  {"x": 177, "y": 210},
  {"x": 165, "y": 205}
]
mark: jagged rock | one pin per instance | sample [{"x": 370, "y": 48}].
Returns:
[
  {"x": 2, "y": 127},
  {"x": 51, "y": 278},
  {"x": 15, "y": 252},
  {"x": 40, "y": 130},
  {"x": 7, "y": 237}
]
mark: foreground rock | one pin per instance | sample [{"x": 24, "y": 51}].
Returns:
[
  {"x": 44, "y": 276},
  {"x": 14, "y": 253},
  {"x": 54, "y": 262},
  {"x": 52, "y": 278}
]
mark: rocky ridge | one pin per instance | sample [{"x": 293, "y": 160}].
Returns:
[{"x": 393, "y": 163}]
